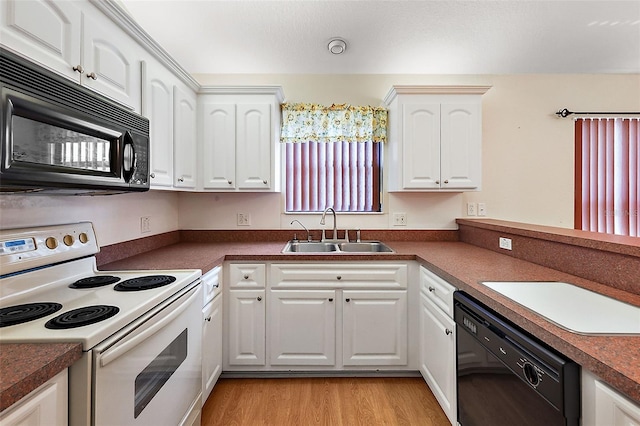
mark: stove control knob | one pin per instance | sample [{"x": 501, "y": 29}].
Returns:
[
  {"x": 531, "y": 374},
  {"x": 84, "y": 238},
  {"x": 68, "y": 240},
  {"x": 51, "y": 243}
]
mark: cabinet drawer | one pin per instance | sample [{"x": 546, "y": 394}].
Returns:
[
  {"x": 247, "y": 275},
  {"x": 339, "y": 275},
  {"x": 211, "y": 284},
  {"x": 437, "y": 290}
]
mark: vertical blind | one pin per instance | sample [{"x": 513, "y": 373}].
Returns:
[
  {"x": 607, "y": 187},
  {"x": 342, "y": 175},
  {"x": 332, "y": 156}
]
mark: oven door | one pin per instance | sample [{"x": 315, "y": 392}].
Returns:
[{"x": 152, "y": 375}]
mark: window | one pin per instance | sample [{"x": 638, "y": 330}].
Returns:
[
  {"x": 607, "y": 187},
  {"x": 333, "y": 157}
]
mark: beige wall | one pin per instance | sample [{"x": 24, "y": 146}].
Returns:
[{"x": 527, "y": 161}]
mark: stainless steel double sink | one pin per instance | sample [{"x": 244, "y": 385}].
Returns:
[{"x": 297, "y": 246}]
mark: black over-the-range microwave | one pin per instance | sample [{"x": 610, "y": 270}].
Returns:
[{"x": 59, "y": 137}]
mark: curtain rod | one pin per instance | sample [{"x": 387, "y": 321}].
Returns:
[{"x": 565, "y": 113}]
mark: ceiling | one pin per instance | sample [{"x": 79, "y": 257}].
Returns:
[{"x": 396, "y": 37}]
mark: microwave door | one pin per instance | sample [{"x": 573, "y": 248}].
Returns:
[{"x": 60, "y": 147}]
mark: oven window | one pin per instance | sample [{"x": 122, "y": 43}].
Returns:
[
  {"x": 156, "y": 374},
  {"x": 46, "y": 144}
]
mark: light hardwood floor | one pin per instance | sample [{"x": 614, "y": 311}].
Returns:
[{"x": 322, "y": 401}]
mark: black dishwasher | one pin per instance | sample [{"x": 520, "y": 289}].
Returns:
[{"x": 506, "y": 376}]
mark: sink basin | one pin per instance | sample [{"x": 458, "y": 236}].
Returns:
[
  {"x": 332, "y": 247},
  {"x": 571, "y": 307},
  {"x": 365, "y": 247},
  {"x": 309, "y": 247}
]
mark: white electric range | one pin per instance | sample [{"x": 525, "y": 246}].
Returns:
[{"x": 140, "y": 330}]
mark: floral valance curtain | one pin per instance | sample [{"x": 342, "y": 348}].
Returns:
[{"x": 336, "y": 123}]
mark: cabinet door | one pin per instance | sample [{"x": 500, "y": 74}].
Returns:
[
  {"x": 45, "y": 406},
  {"x": 211, "y": 346},
  {"x": 184, "y": 138},
  {"x": 421, "y": 146},
  {"x": 302, "y": 327},
  {"x": 110, "y": 60},
  {"x": 47, "y": 32},
  {"x": 158, "y": 108},
  {"x": 246, "y": 327},
  {"x": 253, "y": 146},
  {"x": 437, "y": 355},
  {"x": 461, "y": 133},
  {"x": 218, "y": 123},
  {"x": 374, "y": 327}
]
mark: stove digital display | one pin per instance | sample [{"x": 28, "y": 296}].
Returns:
[{"x": 17, "y": 246}]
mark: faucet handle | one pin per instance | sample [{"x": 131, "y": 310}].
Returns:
[
  {"x": 295, "y": 237},
  {"x": 358, "y": 236},
  {"x": 346, "y": 235}
]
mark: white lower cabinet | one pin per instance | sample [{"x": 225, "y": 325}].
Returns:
[
  {"x": 246, "y": 327},
  {"x": 211, "y": 345},
  {"x": 374, "y": 327},
  {"x": 46, "y": 405},
  {"x": 438, "y": 340},
  {"x": 245, "y": 314},
  {"x": 317, "y": 316},
  {"x": 302, "y": 327},
  {"x": 601, "y": 405}
]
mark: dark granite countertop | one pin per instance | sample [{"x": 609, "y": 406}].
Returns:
[
  {"x": 614, "y": 358},
  {"x": 25, "y": 366}
]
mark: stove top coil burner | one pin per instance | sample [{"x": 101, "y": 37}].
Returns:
[
  {"x": 93, "y": 282},
  {"x": 19, "y": 314},
  {"x": 81, "y": 317},
  {"x": 144, "y": 283}
]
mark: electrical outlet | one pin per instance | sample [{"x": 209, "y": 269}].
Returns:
[
  {"x": 505, "y": 243},
  {"x": 145, "y": 224},
  {"x": 471, "y": 209},
  {"x": 244, "y": 219},
  {"x": 399, "y": 219},
  {"x": 482, "y": 209}
]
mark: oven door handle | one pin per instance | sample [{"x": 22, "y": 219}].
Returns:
[{"x": 148, "y": 329}]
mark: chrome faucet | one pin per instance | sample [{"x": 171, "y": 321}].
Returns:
[
  {"x": 335, "y": 226},
  {"x": 305, "y": 228}
]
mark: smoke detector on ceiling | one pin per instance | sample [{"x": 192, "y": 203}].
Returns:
[{"x": 337, "y": 46}]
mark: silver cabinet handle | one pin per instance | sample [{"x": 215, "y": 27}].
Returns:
[
  {"x": 152, "y": 175},
  {"x": 92, "y": 76},
  {"x": 446, "y": 181},
  {"x": 259, "y": 298},
  {"x": 208, "y": 319},
  {"x": 447, "y": 331},
  {"x": 264, "y": 181},
  {"x": 230, "y": 182},
  {"x": 246, "y": 277},
  {"x": 431, "y": 288},
  {"x": 437, "y": 182},
  {"x": 79, "y": 69},
  {"x": 180, "y": 179}
]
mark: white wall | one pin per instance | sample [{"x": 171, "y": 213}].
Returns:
[
  {"x": 527, "y": 161},
  {"x": 527, "y": 149},
  {"x": 116, "y": 218}
]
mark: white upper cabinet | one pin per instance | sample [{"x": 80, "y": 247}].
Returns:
[
  {"x": 77, "y": 41},
  {"x": 170, "y": 107},
  {"x": 239, "y": 138},
  {"x": 184, "y": 137},
  {"x": 435, "y": 138},
  {"x": 157, "y": 106},
  {"x": 46, "y": 31}
]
